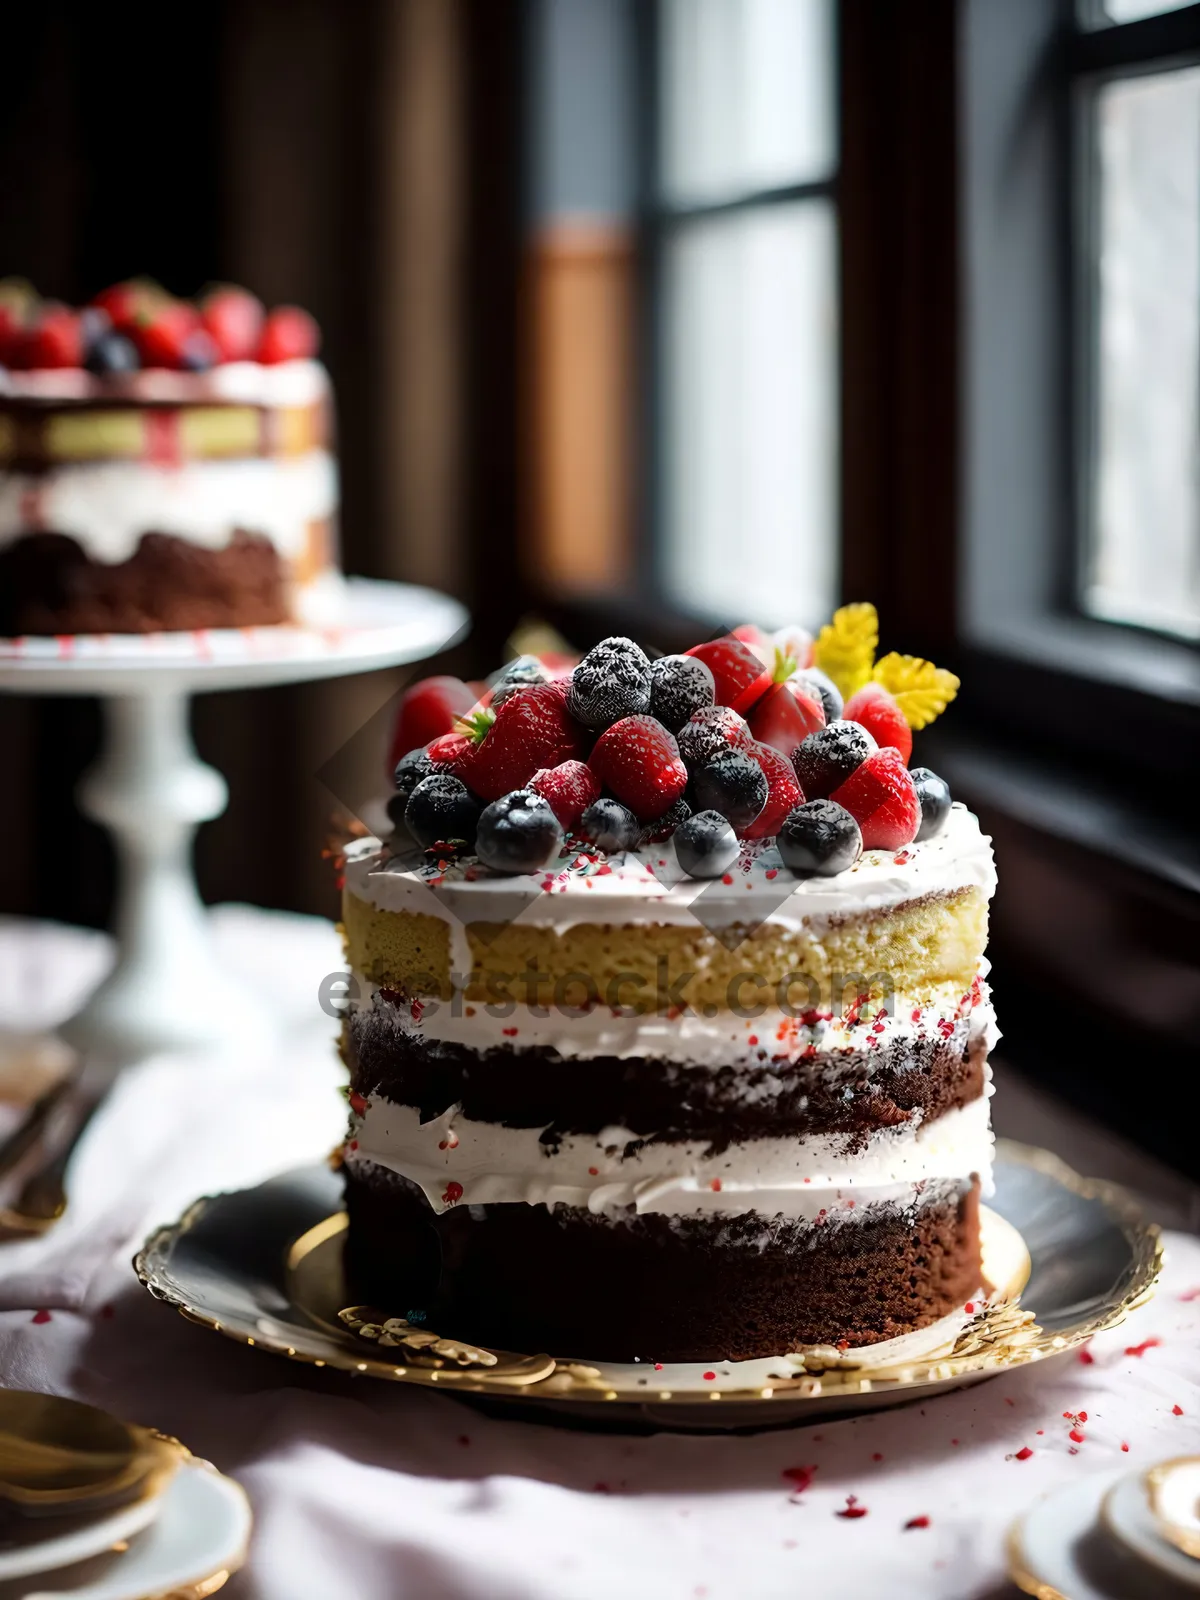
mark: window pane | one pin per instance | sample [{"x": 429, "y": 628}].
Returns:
[
  {"x": 747, "y": 96},
  {"x": 1099, "y": 12},
  {"x": 751, "y": 397},
  {"x": 1145, "y": 550}
]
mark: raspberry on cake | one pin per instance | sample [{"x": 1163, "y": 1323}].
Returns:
[
  {"x": 741, "y": 1085},
  {"x": 164, "y": 465}
]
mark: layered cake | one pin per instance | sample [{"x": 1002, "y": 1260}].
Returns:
[
  {"x": 163, "y": 464},
  {"x": 668, "y": 1031}
]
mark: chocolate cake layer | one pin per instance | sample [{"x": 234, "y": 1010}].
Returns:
[
  {"x": 654, "y": 1287},
  {"x": 49, "y": 585},
  {"x": 845, "y": 1091}
]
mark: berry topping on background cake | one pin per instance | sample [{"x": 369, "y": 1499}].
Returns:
[
  {"x": 638, "y": 759},
  {"x": 610, "y": 826},
  {"x": 288, "y": 334},
  {"x": 709, "y": 733},
  {"x": 735, "y": 785},
  {"x": 111, "y": 353},
  {"x": 933, "y": 797},
  {"x": 442, "y": 811},
  {"x": 569, "y": 789},
  {"x": 706, "y": 845},
  {"x": 610, "y": 683},
  {"x": 783, "y": 792},
  {"x": 881, "y": 798},
  {"x": 828, "y": 757},
  {"x": 679, "y": 686},
  {"x": 518, "y": 833},
  {"x": 233, "y": 319},
  {"x": 52, "y": 337},
  {"x": 427, "y": 710},
  {"x": 739, "y": 676},
  {"x": 137, "y": 324},
  {"x": 168, "y": 334},
  {"x": 819, "y": 838},
  {"x": 874, "y": 709},
  {"x": 532, "y": 729}
]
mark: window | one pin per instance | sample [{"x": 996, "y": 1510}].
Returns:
[
  {"x": 684, "y": 258},
  {"x": 1138, "y": 257},
  {"x": 742, "y": 233}
]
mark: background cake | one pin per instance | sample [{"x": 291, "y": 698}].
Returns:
[
  {"x": 163, "y": 465},
  {"x": 693, "y": 1097}
]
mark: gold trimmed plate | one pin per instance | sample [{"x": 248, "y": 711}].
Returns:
[
  {"x": 1067, "y": 1258},
  {"x": 1173, "y": 1488}
]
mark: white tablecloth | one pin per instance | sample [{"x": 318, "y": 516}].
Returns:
[{"x": 379, "y": 1493}]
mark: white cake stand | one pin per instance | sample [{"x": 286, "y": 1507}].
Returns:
[{"x": 149, "y": 788}]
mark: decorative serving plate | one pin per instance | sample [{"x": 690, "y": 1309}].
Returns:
[{"x": 1065, "y": 1257}]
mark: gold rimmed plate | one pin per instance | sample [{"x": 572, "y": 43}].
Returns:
[{"x": 1065, "y": 1257}]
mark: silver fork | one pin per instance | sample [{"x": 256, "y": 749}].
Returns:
[{"x": 43, "y": 1196}]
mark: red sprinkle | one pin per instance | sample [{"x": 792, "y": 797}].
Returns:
[
  {"x": 727, "y": 877},
  {"x": 509, "y": 1033},
  {"x": 753, "y": 1039},
  {"x": 852, "y": 1508},
  {"x": 593, "y": 1172},
  {"x": 357, "y": 1103},
  {"x": 772, "y": 872},
  {"x": 1176, "y": 1411},
  {"x": 1140, "y": 1349},
  {"x": 1087, "y": 1358},
  {"x": 715, "y": 1186},
  {"x": 658, "y": 1366},
  {"x": 708, "y": 1376},
  {"x": 799, "y": 1477},
  {"x": 917, "y": 1522},
  {"x": 1076, "y": 1436},
  {"x": 454, "y": 1192},
  {"x": 1023, "y": 1454},
  {"x": 1083, "y": 1416},
  {"x": 1125, "y": 1446},
  {"x": 969, "y": 1308},
  {"x": 40, "y": 1316}
]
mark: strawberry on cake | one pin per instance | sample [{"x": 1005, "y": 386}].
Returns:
[
  {"x": 163, "y": 464},
  {"x": 670, "y": 1031}
]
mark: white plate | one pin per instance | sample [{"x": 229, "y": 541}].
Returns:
[
  {"x": 1127, "y": 1514},
  {"x": 198, "y": 1540},
  {"x": 92, "y": 1539}
]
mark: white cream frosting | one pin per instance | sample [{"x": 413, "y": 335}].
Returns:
[
  {"x": 814, "y": 1179},
  {"x": 106, "y": 506},
  {"x": 648, "y": 886},
  {"x": 690, "y": 1039},
  {"x": 288, "y": 383}
]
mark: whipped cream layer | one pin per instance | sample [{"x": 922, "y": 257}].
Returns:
[
  {"x": 649, "y": 887},
  {"x": 691, "y": 1039},
  {"x": 456, "y": 1161},
  {"x": 286, "y": 383},
  {"x": 107, "y": 506}
]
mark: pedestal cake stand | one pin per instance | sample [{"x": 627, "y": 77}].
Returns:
[{"x": 149, "y": 788}]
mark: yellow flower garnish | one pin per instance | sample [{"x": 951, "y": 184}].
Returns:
[
  {"x": 922, "y": 691},
  {"x": 845, "y": 647}
]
